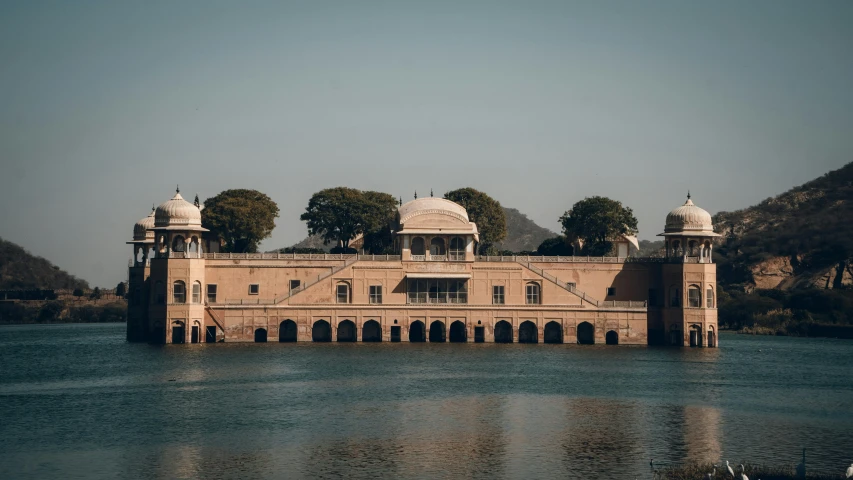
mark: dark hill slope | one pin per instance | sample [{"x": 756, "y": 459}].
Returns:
[
  {"x": 19, "y": 269},
  {"x": 800, "y": 238}
]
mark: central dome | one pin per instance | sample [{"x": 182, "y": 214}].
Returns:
[
  {"x": 689, "y": 218},
  {"x": 421, "y": 206},
  {"x": 177, "y": 212}
]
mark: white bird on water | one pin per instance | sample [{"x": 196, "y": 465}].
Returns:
[
  {"x": 729, "y": 468},
  {"x": 742, "y": 474},
  {"x": 849, "y": 471}
]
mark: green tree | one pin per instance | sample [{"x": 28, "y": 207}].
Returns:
[
  {"x": 340, "y": 214},
  {"x": 78, "y": 292},
  {"x": 596, "y": 220},
  {"x": 96, "y": 294},
  {"x": 240, "y": 217},
  {"x": 483, "y": 210},
  {"x": 555, "y": 246},
  {"x": 121, "y": 290}
]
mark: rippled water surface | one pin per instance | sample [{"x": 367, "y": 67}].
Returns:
[{"x": 77, "y": 401}]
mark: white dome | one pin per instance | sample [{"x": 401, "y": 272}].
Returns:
[
  {"x": 142, "y": 229},
  {"x": 689, "y": 218},
  {"x": 425, "y": 205},
  {"x": 177, "y": 212}
]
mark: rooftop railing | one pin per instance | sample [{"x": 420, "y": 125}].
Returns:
[
  {"x": 278, "y": 256},
  {"x": 586, "y": 259}
]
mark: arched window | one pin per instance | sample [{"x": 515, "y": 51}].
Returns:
[
  {"x": 676, "y": 248},
  {"x": 694, "y": 296},
  {"x": 342, "y": 293},
  {"x": 193, "y": 248},
  {"x": 179, "y": 292},
  {"x": 674, "y": 296},
  {"x": 709, "y": 297},
  {"x": 159, "y": 293},
  {"x": 436, "y": 246},
  {"x": 178, "y": 243},
  {"x": 196, "y": 292},
  {"x": 457, "y": 248},
  {"x": 533, "y": 297},
  {"x": 418, "y": 246},
  {"x": 692, "y": 248}
]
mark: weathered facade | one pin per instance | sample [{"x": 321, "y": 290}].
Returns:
[{"x": 434, "y": 289}]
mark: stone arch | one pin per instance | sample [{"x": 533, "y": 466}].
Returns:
[
  {"x": 140, "y": 255},
  {"x": 694, "y": 296},
  {"x": 674, "y": 296},
  {"x": 178, "y": 243},
  {"x": 586, "y": 334},
  {"x": 261, "y": 335},
  {"x": 458, "y": 332},
  {"x": 528, "y": 332},
  {"x": 196, "y": 294},
  {"x": 675, "y": 336},
  {"x": 695, "y": 335},
  {"x": 533, "y": 293},
  {"x": 287, "y": 331},
  {"x": 417, "y": 332},
  {"x": 321, "y": 331},
  {"x": 371, "y": 331},
  {"x": 418, "y": 246},
  {"x": 193, "y": 245},
  {"x": 436, "y": 246},
  {"x": 346, "y": 331},
  {"x": 712, "y": 336},
  {"x": 503, "y": 332},
  {"x": 437, "y": 332},
  {"x": 553, "y": 332},
  {"x": 179, "y": 292},
  {"x": 457, "y": 248},
  {"x": 611, "y": 338},
  {"x": 710, "y": 299},
  {"x": 179, "y": 334},
  {"x": 692, "y": 247}
]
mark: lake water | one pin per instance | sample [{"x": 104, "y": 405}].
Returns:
[{"x": 79, "y": 402}]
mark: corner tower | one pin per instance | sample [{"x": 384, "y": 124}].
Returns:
[
  {"x": 138, "y": 286},
  {"x": 690, "y": 278},
  {"x": 176, "y": 307}
]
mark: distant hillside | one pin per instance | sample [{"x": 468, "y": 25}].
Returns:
[
  {"x": 19, "y": 269},
  {"x": 801, "y": 238},
  {"x": 523, "y": 234}
]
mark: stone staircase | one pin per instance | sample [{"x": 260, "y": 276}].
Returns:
[
  {"x": 565, "y": 286},
  {"x": 349, "y": 261}
]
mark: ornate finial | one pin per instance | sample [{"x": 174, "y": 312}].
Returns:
[
  {"x": 177, "y": 189},
  {"x": 416, "y": 194},
  {"x": 401, "y": 200},
  {"x": 430, "y": 192},
  {"x": 688, "y": 194},
  {"x": 153, "y": 207}
]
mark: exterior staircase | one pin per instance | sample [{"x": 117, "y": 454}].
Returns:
[
  {"x": 565, "y": 286},
  {"x": 349, "y": 261},
  {"x": 218, "y": 323}
]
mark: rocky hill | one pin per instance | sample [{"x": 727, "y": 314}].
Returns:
[
  {"x": 523, "y": 234},
  {"x": 21, "y": 270},
  {"x": 799, "y": 239}
]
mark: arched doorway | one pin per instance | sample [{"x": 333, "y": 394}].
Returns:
[
  {"x": 458, "y": 332},
  {"x": 503, "y": 332},
  {"x": 586, "y": 334},
  {"x": 346, "y": 331},
  {"x": 712, "y": 337},
  {"x": 179, "y": 334},
  {"x": 695, "y": 336},
  {"x": 417, "y": 332},
  {"x": 371, "y": 331},
  {"x": 436, "y": 331},
  {"x": 611, "y": 338},
  {"x": 528, "y": 333},
  {"x": 553, "y": 332},
  {"x": 287, "y": 331},
  {"x": 675, "y": 337},
  {"x": 321, "y": 331},
  {"x": 261, "y": 335},
  {"x": 418, "y": 246}
]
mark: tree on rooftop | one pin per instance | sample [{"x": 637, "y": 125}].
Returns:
[
  {"x": 242, "y": 218},
  {"x": 340, "y": 214},
  {"x": 483, "y": 210},
  {"x": 596, "y": 220}
]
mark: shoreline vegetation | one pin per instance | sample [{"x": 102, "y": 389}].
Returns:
[
  {"x": 698, "y": 471},
  {"x": 62, "y": 311}
]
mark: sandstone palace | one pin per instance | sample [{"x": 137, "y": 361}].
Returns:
[{"x": 435, "y": 289}]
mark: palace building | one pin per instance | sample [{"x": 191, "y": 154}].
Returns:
[{"x": 435, "y": 288}]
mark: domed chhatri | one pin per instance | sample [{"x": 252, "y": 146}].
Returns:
[
  {"x": 426, "y": 205},
  {"x": 143, "y": 228},
  {"x": 689, "y": 219},
  {"x": 177, "y": 212}
]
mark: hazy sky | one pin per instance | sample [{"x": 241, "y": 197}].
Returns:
[{"x": 105, "y": 106}]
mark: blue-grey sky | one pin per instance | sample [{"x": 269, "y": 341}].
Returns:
[{"x": 105, "y": 106}]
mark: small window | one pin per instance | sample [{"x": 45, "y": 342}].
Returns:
[
  {"x": 694, "y": 296},
  {"x": 211, "y": 293},
  {"x": 498, "y": 294},
  {"x": 571, "y": 285},
  {"x": 611, "y": 291},
  {"x": 375, "y": 293},
  {"x": 343, "y": 293},
  {"x": 179, "y": 292},
  {"x": 294, "y": 284},
  {"x": 457, "y": 248},
  {"x": 674, "y": 297},
  {"x": 709, "y": 297},
  {"x": 254, "y": 289},
  {"x": 196, "y": 292},
  {"x": 533, "y": 294}
]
